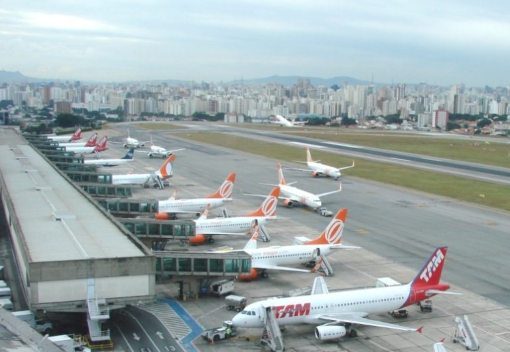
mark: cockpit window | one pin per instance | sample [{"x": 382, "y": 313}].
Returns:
[{"x": 244, "y": 312}]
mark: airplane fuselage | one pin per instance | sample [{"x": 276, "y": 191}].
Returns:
[
  {"x": 197, "y": 205},
  {"x": 322, "y": 169},
  {"x": 286, "y": 255},
  {"x": 106, "y": 162},
  {"x": 131, "y": 179},
  {"x": 300, "y": 196},
  {"x": 238, "y": 224},
  {"x": 80, "y": 150},
  {"x": 308, "y": 309}
]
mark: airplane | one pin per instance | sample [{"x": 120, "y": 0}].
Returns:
[
  {"x": 164, "y": 172},
  {"x": 319, "y": 169},
  {"x": 67, "y": 138},
  {"x": 112, "y": 162},
  {"x": 336, "y": 312},
  {"x": 157, "y": 151},
  {"x": 282, "y": 121},
  {"x": 89, "y": 143},
  {"x": 309, "y": 252},
  {"x": 133, "y": 142},
  {"x": 101, "y": 146},
  {"x": 236, "y": 225},
  {"x": 168, "y": 208},
  {"x": 292, "y": 195}
]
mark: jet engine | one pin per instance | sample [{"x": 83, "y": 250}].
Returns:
[
  {"x": 315, "y": 174},
  {"x": 252, "y": 275},
  {"x": 288, "y": 203},
  {"x": 161, "y": 216},
  {"x": 197, "y": 239},
  {"x": 329, "y": 332}
]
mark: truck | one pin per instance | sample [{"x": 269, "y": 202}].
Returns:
[
  {"x": 221, "y": 287},
  {"x": 324, "y": 212},
  {"x": 29, "y": 318},
  {"x": 222, "y": 333},
  {"x": 236, "y": 303}
]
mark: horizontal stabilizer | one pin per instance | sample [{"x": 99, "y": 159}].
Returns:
[
  {"x": 437, "y": 292},
  {"x": 319, "y": 286},
  {"x": 343, "y": 246}
]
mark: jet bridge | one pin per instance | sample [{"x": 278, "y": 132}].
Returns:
[
  {"x": 129, "y": 208},
  {"x": 158, "y": 232}
]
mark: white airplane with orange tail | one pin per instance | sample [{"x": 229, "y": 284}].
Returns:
[
  {"x": 168, "y": 208},
  {"x": 164, "y": 172},
  {"x": 292, "y": 195},
  {"x": 101, "y": 146},
  {"x": 236, "y": 225},
  {"x": 309, "y": 252},
  {"x": 336, "y": 312},
  {"x": 67, "y": 138},
  {"x": 319, "y": 169}
]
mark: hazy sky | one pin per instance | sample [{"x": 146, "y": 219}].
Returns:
[{"x": 433, "y": 41}]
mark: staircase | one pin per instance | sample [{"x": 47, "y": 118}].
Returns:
[
  {"x": 97, "y": 313},
  {"x": 272, "y": 336}
]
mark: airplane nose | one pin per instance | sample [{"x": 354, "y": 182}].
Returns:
[{"x": 236, "y": 321}]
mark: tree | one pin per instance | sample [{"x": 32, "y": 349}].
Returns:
[
  {"x": 68, "y": 120},
  {"x": 452, "y": 126},
  {"x": 347, "y": 121},
  {"x": 483, "y": 122}
]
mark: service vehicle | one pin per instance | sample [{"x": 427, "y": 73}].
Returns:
[
  {"x": 236, "y": 303},
  {"x": 222, "y": 333}
]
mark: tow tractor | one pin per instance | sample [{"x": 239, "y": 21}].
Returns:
[{"x": 222, "y": 333}]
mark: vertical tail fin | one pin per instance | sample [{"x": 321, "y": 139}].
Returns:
[
  {"x": 130, "y": 154},
  {"x": 431, "y": 272},
  {"x": 254, "y": 231},
  {"x": 166, "y": 170},
  {"x": 334, "y": 231},
  {"x": 102, "y": 145},
  {"x": 268, "y": 206},
  {"x": 308, "y": 156},
  {"x": 76, "y": 135},
  {"x": 226, "y": 188},
  {"x": 281, "y": 178},
  {"x": 92, "y": 141}
]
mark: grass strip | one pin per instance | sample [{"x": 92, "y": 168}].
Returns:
[{"x": 465, "y": 189}]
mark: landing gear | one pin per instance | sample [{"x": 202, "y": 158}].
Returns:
[
  {"x": 350, "y": 331},
  {"x": 264, "y": 274}
]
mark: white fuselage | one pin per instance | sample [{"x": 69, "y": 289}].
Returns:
[
  {"x": 323, "y": 169},
  {"x": 72, "y": 144},
  {"x": 61, "y": 138},
  {"x": 308, "y": 309},
  {"x": 238, "y": 224},
  {"x": 158, "y": 152},
  {"x": 197, "y": 205},
  {"x": 286, "y": 255},
  {"x": 300, "y": 196},
  {"x": 80, "y": 150},
  {"x": 107, "y": 162},
  {"x": 132, "y": 143},
  {"x": 132, "y": 179}
]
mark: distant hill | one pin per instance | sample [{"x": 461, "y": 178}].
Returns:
[
  {"x": 15, "y": 77},
  {"x": 290, "y": 80}
]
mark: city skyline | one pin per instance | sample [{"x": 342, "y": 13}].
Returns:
[{"x": 433, "y": 42}]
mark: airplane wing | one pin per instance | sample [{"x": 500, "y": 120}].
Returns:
[
  {"x": 332, "y": 192},
  {"x": 344, "y": 246},
  {"x": 175, "y": 150},
  {"x": 297, "y": 169},
  {"x": 357, "y": 318},
  {"x": 346, "y": 167},
  {"x": 277, "y": 267}
]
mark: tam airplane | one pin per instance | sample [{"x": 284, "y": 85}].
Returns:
[
  {"x": 282, "y": 121},
  {"x": 292, "y": 195},
  {"x": 171, "y": 206},
  {"x": 112, "y": 162},
  {"x": 131, "y": 142},
  {"x": 91, "y": 142},
  {"x": 67, "y": 138},
  {"x": 334, "y": 313},
  {"x": 236, "y": 225},
  {"x": 319, "y": 169},
  {"x": 277, "y": 257},
  {"x": 157, "y": 177},
  {"x": 101, "y": 146}
]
